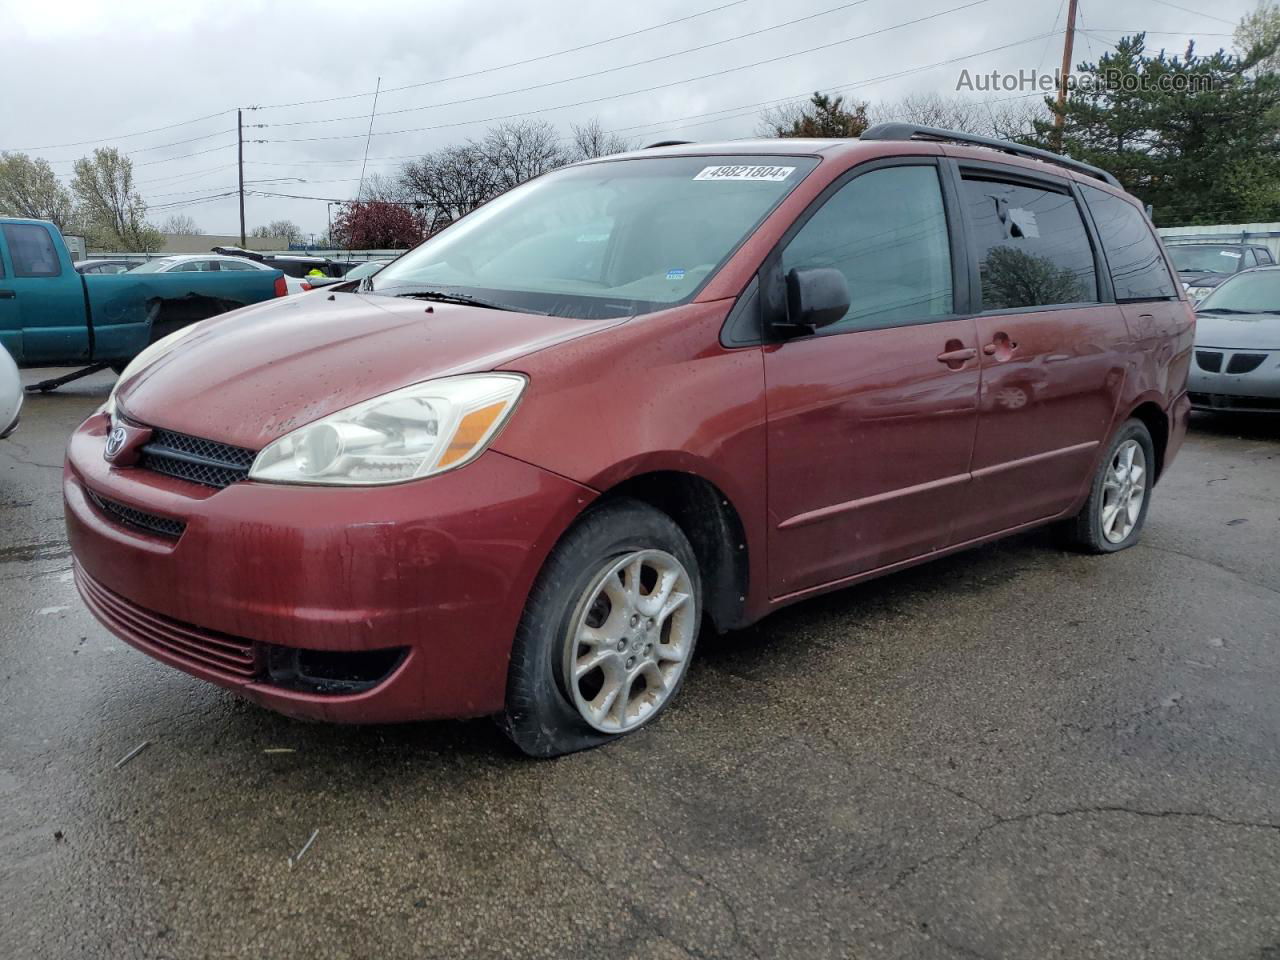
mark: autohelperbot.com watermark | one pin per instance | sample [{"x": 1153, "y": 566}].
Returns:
[{"x": 1104, "y": 81}]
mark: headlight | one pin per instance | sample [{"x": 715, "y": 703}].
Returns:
[
  {"x": 424, "y": 429},
  {"x": 1199, "y": 293},
  {"x": 149, "y": 355}
]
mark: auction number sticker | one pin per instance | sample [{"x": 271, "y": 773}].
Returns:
[{"x": 745, "y": 173}]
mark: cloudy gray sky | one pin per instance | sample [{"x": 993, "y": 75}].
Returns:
[{"x": 75, "y": 75}]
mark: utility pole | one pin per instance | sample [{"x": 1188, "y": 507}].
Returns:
[
  {"x": 240, "y": 153},
  {"x": 1069, "y": 40}
]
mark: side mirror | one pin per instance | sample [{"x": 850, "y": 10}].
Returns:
[{"x": 816, "y": 298}]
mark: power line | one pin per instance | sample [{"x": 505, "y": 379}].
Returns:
[
  {"x": 1198, "y": 13},
  {"x": 581, "y": 76},
  {"x": 866, "y": 82},
  {"x": 629, "y": 93},
  {"x": 505, "y": 66},
  {"x": 124, "y": 136}
]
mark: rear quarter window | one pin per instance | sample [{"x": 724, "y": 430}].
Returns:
[
  {"x": 1138, "y": 269},
  {"x": 1032, "y": 246}
]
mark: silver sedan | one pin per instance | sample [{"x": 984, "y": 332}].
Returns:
[{"x": 1237, "y": 353}]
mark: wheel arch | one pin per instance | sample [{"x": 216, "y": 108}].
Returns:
[
  {"x": 1156, "y": 420},
  {"x": 714, "y": 527}
]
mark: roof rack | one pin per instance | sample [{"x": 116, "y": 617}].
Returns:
[
  {"x": 910, "y": 131},
  {"x": 666, "y": 143}
]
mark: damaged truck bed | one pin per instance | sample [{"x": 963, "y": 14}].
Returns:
[{"x": 50, "y": 315}]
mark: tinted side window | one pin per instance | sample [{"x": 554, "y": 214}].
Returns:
[
  {"x": 1264, "y": 256},
  {"x": 1249, "y": 261},
  {"x": 886, "y": 231},
  {"x": 32, "y": 251},
  {"x": 1032, "y": 246},
  {"x": 1137, "y": 268}
]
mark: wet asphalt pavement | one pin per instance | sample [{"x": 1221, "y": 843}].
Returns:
[{"x": 1015, "y": 752}]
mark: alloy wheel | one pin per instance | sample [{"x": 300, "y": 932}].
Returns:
[
  {"x": 1124, "y": 487},
  {"x": 630, "y": 639}
]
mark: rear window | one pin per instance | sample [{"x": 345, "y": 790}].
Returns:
[
  {"x": 31, "y": 250},
  {"x": 1033, "y": 249},
  {"x": 1138, "y": 271}
]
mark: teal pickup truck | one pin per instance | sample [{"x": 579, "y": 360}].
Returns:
[{"x": 52, "y": 316}]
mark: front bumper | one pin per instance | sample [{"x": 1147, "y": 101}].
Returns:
[
  {"x": 439, "y": 567},
  {"x": 1254, "y": 389}
]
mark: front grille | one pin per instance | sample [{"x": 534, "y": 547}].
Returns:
[
  {"x": 206, "y": 462},
  {"x": 1209, "y": 361},
  {"x": 220, "y": 652},
  {"x": 1245, "y": 362},
  {"x": 138, "y": 519}
]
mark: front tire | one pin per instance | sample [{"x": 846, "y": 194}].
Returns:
[
  {"x": 607, "y": 633},
  {"x": 1113, "y": 516}
]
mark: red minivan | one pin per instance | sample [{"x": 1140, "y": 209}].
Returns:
[{"x": 517, "y": 471}]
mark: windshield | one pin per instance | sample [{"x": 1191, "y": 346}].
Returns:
[
  {"x": 1257, "y": 291},
  {"x": 608, "y": 239},
  {"x": 154, "y": 266},
  {"x": 1205, "y": 259}
]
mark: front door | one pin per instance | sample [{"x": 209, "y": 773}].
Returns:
[
  {"x": 48, "y": 293},
  {"x": 871, "y": 420},
  {"x": 1052, "y": 351}
]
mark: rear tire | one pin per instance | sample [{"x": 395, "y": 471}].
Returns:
[
  {"x": 615, "y": 610},
  {"x": 1113, "y": 517}
]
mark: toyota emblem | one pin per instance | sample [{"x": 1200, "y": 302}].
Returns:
[{"x": 115, "y": 442}]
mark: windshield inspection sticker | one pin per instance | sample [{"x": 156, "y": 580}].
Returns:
[
  {"x": 745, "y": 173},
  {"x": 675, "y": 274}
]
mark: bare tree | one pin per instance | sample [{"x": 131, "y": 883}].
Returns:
[
  {"x": 592, "y": 140},
  {"x": 521, "y": 150},
  {"x": 380, "y": 188},
  {"x": 29, "y": 188},
  {"x": 284, "y": 229},
  {"x": 784, "y": 116},
  {"x": 823, "y": 116},
  {"x": 113, "y": 212},
  {"x": 180, "y": 223},
  {"x": 451, "y": 182},
  {"x": 1003, "y": 118}
]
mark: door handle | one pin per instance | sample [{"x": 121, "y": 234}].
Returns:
[
  {"x": 7, "y": 295},
  {"x": 957, "y": 356}
]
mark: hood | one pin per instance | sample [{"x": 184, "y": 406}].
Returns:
[
  {"x": 251, "y": 376},
  {"x": 1241, "y": 331}
]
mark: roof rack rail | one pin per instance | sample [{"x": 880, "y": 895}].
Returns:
[
  {"x": 666, "y": 143},
  {"x": 910, "y": 131}
]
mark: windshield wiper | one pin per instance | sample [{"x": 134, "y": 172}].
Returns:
[
  {"x": 1228, "y": 310},
  {"x": 443, "y": 296}
]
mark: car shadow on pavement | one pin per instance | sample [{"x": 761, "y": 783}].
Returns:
[{"x": 1243, "y": 426}]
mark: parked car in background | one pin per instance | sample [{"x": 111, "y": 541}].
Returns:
[
  {"x": 104, "y": 266},
  {"x": 293, "y": 265},
  {"x": 214, "y": 263},
  {"x": 52, "y": 315},
  {"x": 1202, "y": 266},
  {"x": 10, "y": 393},
  {"x": 1237, "y": 357},
  {"x": 358, "y": 272},
  {"x": 367, "y": 269},
  {"x": 518, "y": 471}
]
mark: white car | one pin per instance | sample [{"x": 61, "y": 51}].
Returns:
[
  {"x": 10, "y": 393},
  {"x": 211, "y": 263}
]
